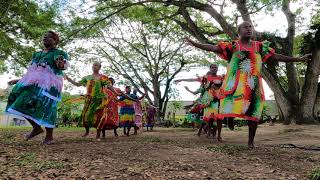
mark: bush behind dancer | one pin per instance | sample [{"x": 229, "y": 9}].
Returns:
[
  {"x": 242, "y": 93},
  {"x": 36, "y": 94},
  {"x": 93, "y": 110}
]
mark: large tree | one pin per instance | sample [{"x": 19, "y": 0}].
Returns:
[
  {"x": 191, "y": 15},
  {"x": 148, "y": 57},
  {"x": 22, "y": 23}
]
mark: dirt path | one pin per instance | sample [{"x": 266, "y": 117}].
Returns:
[{"x": 162, "y": 154}]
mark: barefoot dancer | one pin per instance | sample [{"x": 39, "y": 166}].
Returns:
[
  {"x": 208, "y": 99},
  {"x": 110, "y": 114},
  {"x": 150, "y": 113},
  {"x": 36, "y": 94},
  {"x": 127, "y": 110},
  {"x": 242, "y": 93},
  {"x": 137, "y": 111},
  {"x": 92, "y": 110}
]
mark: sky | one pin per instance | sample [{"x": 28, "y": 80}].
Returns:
[{"x": 271, "y": 23}]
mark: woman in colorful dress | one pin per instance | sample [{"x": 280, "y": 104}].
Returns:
[
  {"x": 242, "y": 94},
  {"x": 36, "y": 94},
  {"x": 110, "y": 114},
  {"x": 93, "y": 108}
]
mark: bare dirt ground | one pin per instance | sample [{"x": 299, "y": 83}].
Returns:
[{"x": 165, "y": 153}]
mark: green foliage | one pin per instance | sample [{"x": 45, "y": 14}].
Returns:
[
  {"x": 69, "y": 111},
  {"x": 311, "y": 39},
  {"x": 175, "y": 106},
  {"x": 22, "y": 24}
]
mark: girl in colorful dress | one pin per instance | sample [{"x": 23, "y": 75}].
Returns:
[
  {"x": 208, "y": 100},
  {"x": 242, "y": 94},
  {"x": 137, "y": 111},
  {"x": 150, "y": 113},
  {"x": 110, "y": 114},
  {"x": 36, "y": 94},
  {"x": 93, "y": 108},
  {"x": 127, "y": 113}
]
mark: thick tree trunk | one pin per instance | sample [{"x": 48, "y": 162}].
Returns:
[
  {"x": 309, "y": 92},
  {"x": 284, "y": 105},
  {"x": 157, "y": 99}
]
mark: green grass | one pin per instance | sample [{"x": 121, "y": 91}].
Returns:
[
  {"x": 228, "y": 149},
  {"x": 29, "y": 159},
  {"x": 315, "y": 174},
  {"x": 47, "y": 164},
  {"x": 25, "y": 159}
]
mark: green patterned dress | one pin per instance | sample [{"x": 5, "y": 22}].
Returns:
[
  {"x": 92, "y": 112},
  {"x": 36, "y": 94}
]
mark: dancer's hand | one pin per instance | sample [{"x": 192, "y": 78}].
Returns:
[
  {"x": 188, "y": 41},
  {"x": 306, "y": 57},
  {"x": 12, "y": 82},
  {"x": 65, "y": 77},
  {"x": 60, "y": 62}
]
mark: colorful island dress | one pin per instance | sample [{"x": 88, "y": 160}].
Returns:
[
  {"x": 127, "y": 114},
  {"x": 210, "y": 102},
  {"x": 110, "y": 119},
  {"x": 242, "y": 93},
  {"x": 36, "y": 94},
  {"x": 93, "y": 108}
]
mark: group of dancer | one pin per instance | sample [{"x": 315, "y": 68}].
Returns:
[
  {"x": 237, "y": 95},
  {"x": 36, "y": 95},
  {"x": 102, "y": 102}
]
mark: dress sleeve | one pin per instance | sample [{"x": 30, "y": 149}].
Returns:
[
  {"x": 266, "y": 51},
  {"x": 226, "y": 48},
  {"x": 105, "y": 80}
]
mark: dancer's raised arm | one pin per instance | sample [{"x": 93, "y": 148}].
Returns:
[
  {"x": 187, "y": 80},
  {"x": 72, "y": 81},
  {"x": 283, "y": 58},
  {"x": 192, "y": 92},
  {"x": 207, "y": 47}
]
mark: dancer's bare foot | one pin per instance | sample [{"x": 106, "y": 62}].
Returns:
[
  {"x": 219, "y": 139},
  {"x": 251, "y": 145},
  {"x": 85, "y": 134},
  {"x": 47, "y": 142},
  {"x": 34, "y": 132}
]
